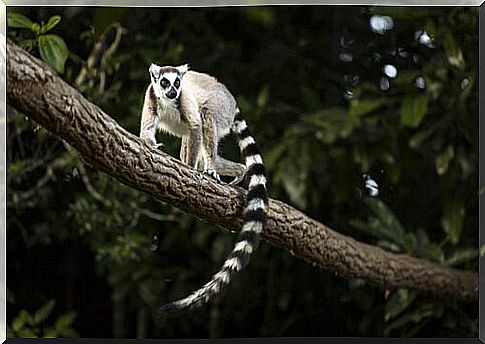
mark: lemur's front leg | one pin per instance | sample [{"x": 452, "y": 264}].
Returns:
[
  {"x": 149, "y": 118},
  {"x": 183, "y": 149}
]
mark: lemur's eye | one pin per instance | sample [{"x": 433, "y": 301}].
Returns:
[
  {"x": 164, "y": 83},
  {"x": 177, "y": 82}
]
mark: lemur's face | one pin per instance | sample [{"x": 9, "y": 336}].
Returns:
[{"x": 166, "y": 80}]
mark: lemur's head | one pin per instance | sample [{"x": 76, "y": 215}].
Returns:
[{"x": 166, "y": 80}]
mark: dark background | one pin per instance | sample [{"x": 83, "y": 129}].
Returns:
[{"x": 390, "y": 161}]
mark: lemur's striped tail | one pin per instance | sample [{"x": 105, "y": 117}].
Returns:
[{"x": 254, "y": 220}]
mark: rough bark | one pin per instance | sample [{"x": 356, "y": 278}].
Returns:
[{"x": 38, "y": 92}]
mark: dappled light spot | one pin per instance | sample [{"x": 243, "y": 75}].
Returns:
[
  {"x": 420, "y": 82},
  {"x": 403, "y": 53},
  {"x": 371, "y": 185},
  {"x": 344, "y": 43},
  {"x": 376, "y": 57},
  {"x": 390, "y": 70},
  {"x": 155, "y": 243},
  {"x": 349, "y": 94},
  {"x": 384, "y": 84},
  {"x": 345, "y": 57},
  {"x": 381, "y": 24},
  {"x": 424, "y": 38},
  {"x": 464, "y": 83}
]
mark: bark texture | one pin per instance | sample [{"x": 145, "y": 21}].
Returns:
[{"x": 37, "y": 91}]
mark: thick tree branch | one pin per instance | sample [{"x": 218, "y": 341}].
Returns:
[{"x": 35, "y": 90}]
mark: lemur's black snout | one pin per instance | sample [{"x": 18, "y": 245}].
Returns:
[{"x": 172, "y": 93}]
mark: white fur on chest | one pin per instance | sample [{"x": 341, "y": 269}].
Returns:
[{"x": 170, "y": 119}]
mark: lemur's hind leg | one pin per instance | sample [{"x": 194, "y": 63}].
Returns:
[
  {"x": 231, "y": 169},
  {"x": 184, "y": 151},
  {"x": 222, "y": 166}
]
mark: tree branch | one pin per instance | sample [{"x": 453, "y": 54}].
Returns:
[{"x": 37, "y": 91}]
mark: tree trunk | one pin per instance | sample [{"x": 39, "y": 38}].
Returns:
[{"x": 37, "y": 91}]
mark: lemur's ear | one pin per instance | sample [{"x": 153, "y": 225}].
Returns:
[
  {"x": 183, "y": 69},
  {"x": 154, "y": 71}
]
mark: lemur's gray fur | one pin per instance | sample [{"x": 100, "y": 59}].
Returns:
[{"x": 201, "y": 110}]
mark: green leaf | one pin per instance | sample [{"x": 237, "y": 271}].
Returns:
[
  {"x": 389, "y": 226},
  {"x": 263, "y": 96},
  {"x": 68, "y": 333},
  {"x": 17, "y": 167},
  {"x": 452, "y": 219},
  {"x": 443, "y": 160},
  {"x": 398, "y": 302},
  {"x": 462, "y": 256},
  {"x": 453, "y": 52},
  {"x": 65, "y": 321},
  {"x": 49, "y": 333},
  {"x": 19, "y": 322},
  {"x": 413, "y": 110},
  {"x": 43, "y": 313},
  {"x": 389, "y": 246},
  {"x": 19, "y": 21},
  {"x": 405, "y": 82},
  {"x": 36, "y": 28},
  {"x": 430, "y": 251},
  {"x": 430, "y": 28},
  {"x": 417, "y": 140},
  {"x": 27, "y": 333},
  {"x": 423, "y": 312},
  {"x": 362, "y": 107},
  {"x": 51, "y": 23},
  {"x": 53, "y": 51}
]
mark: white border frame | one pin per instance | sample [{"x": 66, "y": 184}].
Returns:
[{"x": 149, "y": 3}]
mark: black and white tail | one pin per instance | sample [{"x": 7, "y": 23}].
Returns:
[{"x": 254, "y": 220}]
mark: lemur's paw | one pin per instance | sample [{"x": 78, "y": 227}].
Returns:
[
  {"x": 158, "y": 145},
  {"x": 213, "y": 174}
]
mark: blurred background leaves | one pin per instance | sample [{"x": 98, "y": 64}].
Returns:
[{"x": 367, "y": 117}]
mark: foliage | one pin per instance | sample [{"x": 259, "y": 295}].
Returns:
[
  {"x": 371, "y": 130},
  {"x": 26, "y": 325},
  {"x": 52, "y": 48}
]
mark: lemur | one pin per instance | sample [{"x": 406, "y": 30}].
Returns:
[{"x": 201, "y": 111}]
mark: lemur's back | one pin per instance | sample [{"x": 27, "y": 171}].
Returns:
[{"x": 204, "y": 86}]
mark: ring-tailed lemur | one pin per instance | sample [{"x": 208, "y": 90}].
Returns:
[{"x": 201, "y": 110}]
